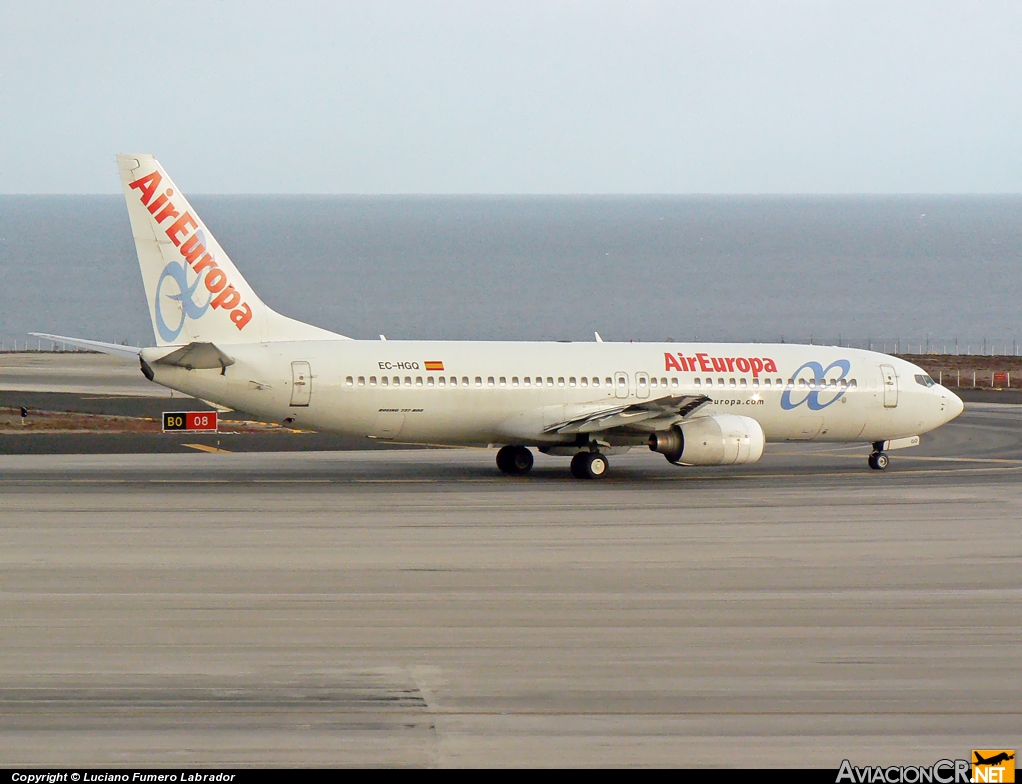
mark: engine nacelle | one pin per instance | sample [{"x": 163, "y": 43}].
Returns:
[{"x": 722, "y": 439}]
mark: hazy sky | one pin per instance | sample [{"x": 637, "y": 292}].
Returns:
[{"x": 515, "y": 97}]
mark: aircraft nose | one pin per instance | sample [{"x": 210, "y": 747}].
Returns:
[{"x": 955, "y": 406}]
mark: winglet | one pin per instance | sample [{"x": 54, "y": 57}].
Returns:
[{"x": 598, "y": 338}]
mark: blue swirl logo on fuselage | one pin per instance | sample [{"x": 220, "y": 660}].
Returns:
[
  {"x": 812, "y": 398},
  {"x": 177, "y": 272}
]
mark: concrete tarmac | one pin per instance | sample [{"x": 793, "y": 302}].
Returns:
[
  {"x": 418, "y": 608},
  {"x": 73, "y": 372}
]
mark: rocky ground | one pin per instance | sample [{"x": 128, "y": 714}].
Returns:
[
  {"x": 41, "y": 421},
  {"x": 958, "y": 370}
]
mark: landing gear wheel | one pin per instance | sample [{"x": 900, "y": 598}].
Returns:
[
  {"x": 578, "y": 465},
  {"x": 594, "y": 465},
  {"x": 514, "y": 460},
  {"x": 522, "y": 461},
  {"x": 504, "y": 456},
  {"x": 878, "y": 461}
]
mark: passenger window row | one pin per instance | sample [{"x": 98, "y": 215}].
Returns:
[
  {"x": 594, "y": 381},
  {"x": 766, "y": 383},
  {"x": 444, "y": 381}
]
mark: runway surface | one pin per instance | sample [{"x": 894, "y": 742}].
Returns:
[
  {"x": 418, "y": 608},
  {"x": 73, "y": 372}
]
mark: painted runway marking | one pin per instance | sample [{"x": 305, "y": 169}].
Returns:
[
  {"x": 205, "y": 448},
  {"x": 291, "y": 481},
  {"x": 188, "y": 481}
]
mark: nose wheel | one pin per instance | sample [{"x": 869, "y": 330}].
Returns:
[
  {"x": 514, "y": 460},
  {"x": 589, "y": 465},
  {"x": 878, "y": 461}
]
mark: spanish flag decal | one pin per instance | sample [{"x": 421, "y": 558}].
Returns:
[{"x": 437, "y": 366}]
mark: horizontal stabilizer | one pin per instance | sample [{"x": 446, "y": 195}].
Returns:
[
  {"x": 194, "y": 356},
  {"x": 115, "y": 349}
]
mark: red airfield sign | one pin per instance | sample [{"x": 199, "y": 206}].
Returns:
[{"x": 189, "y": 420}]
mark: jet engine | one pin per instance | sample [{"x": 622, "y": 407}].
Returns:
[{"x": 722, "y": 439}]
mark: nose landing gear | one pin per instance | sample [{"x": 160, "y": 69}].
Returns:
[
  {"x": 514, "y": 460},
  {"x": 878, "y": 461}
]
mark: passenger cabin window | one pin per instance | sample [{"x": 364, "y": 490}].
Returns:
[
  {"x": 372, "y": 381},
  {"x": 349, "y": 381},
  {"x": 674, "y": 381},
  {"x": 743, "y": 383},
  {"x": 709, "y": 382},
  {"x": 732, "y": 383},
  {"x": 720, "y": 382},
  {"x": 596, "y": 382},
  {"x": 766, "y": 382},
  {"x": 610, "y": 383},
  {"x": 503, "y": 381},
  {"x": 464, "y": 381},
  {"x": 584, "y": 382},
  {"x": 479, "y": 381},
  {"x": 454, "y": 381},
  {"x": 384, "y": 381},
  {"x": 642, "y": 382},
  {"x": 514, "y": 381},
  {"x": 528, "y": 381},
  {"x": 571, "y": 381},
  {"x": 560, "y": 381},
  {"x": 490, "y": 382},
  {"x": 442, "y": 381},
  {"x": 429, "y": 381},
  {"x": 549, "y": 381},
  {"x": 755, "y": 383},
  {"x": 418, "y": 381},
  {"x": 663, "y": 382},
  {"x": 697, "y": 383},
  {"x": 361, "y": 381}
]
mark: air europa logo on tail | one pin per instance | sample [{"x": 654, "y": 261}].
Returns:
[
  {"x": 192, "y": 247},
  {"x": 704, "y": 363}
]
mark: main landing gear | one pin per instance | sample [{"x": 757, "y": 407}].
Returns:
[
  {"x": 879, "y": 460},
  {"x": 589, "y": 465},
  {"x": 514, "y": 460},
  {"x": 517, "y": 461}
]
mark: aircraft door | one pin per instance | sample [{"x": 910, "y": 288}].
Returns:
[
  {"x": 642, "y": 384},
  {"x": 890, "y": 380},
  {"x": 388, "y": 425},
  {"x": 301, "y": 383},
  {"x": 621, "y": 384}
]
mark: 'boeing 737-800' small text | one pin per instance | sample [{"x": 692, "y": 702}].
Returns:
[{"x": 699, "y": 404}]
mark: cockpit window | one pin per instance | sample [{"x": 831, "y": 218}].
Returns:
[{"x": 925, "y": 380}]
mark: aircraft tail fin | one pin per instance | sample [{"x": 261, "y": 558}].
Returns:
[{"x": 195, "y": 292}]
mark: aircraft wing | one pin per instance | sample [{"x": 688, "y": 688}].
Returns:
[{"x": 647, "y": 416}]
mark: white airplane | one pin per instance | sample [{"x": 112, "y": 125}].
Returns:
[{"x": 697, "y": 404}]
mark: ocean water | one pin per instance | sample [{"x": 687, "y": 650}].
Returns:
[{"x": 531, "y": 268}]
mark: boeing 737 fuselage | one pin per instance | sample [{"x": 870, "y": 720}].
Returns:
[{"x": 697, "y": 404}]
